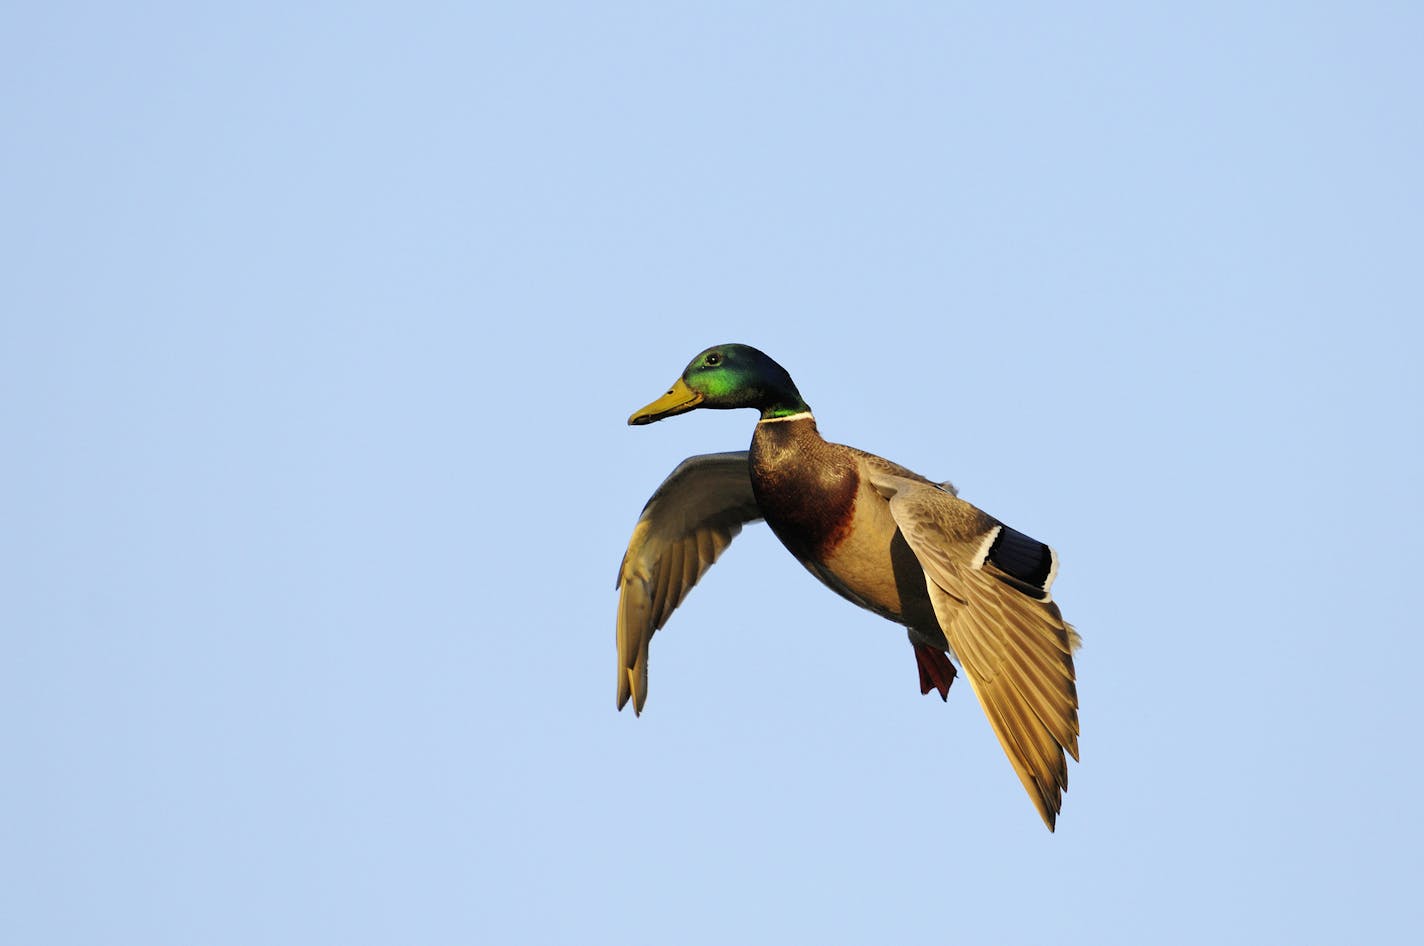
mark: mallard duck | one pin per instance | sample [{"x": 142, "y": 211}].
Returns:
[{"x": 879, "y": 535}]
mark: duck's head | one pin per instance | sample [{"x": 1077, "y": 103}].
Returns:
[{"x": 725, "y": 377}]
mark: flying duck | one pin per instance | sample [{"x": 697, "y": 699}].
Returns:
[{"x": 962, "y": 583}]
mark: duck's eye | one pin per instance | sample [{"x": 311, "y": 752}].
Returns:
[{"x": 712, "y": 360}]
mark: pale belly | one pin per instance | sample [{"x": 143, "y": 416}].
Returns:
[{"x": 874, "y": 568}]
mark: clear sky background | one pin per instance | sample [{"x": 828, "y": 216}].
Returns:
[{"x": 319, "y": 328}]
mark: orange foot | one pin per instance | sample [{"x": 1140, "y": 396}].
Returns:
[{"x": 936, "y": 672}]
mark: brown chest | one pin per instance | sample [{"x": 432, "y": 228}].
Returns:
[{"x": 806, "y": 487}]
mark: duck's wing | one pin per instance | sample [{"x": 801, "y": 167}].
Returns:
[
  {"x": 989, "y": 586},
  {"x": 691, "y": 518}
]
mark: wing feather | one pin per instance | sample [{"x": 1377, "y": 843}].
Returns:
[
  {"x": 1015, "y": 650},
  {"x": 685, "y": 527}
]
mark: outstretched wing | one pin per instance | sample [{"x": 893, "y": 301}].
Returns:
[
  {"x": 989, "y": 587},
  {"x": 692, "y": 517}
]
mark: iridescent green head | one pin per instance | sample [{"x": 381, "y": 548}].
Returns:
[{"x": 724, "y": 377}]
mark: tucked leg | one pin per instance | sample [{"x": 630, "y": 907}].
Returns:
[{"x": 936, "y": 672}]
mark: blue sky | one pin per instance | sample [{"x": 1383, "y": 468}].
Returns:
[{"x": 320, "y": 325}]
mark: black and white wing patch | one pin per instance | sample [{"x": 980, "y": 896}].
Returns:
[{"x": 1021, "y": 561}]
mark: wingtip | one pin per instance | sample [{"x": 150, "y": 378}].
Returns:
[
  {"x": 628, "y": 689},
  {"x": 1049, "y": 815},
  {"x": 625, "y": 687},
  {"x": 1050, "y": 804}
]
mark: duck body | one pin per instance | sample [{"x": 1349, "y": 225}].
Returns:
[
  {"x": 885, "y": 538},
  {"x": 817, "y": 502}
]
